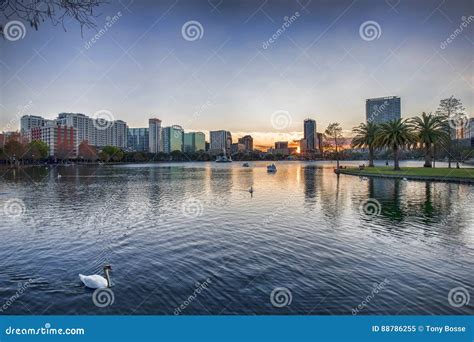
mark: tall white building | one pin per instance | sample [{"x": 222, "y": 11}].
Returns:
[
  {"x": 84, "y": 127},
  {"x": 155, "y": 135},
  {"x": 107, "y": 133},
  {"x": 29, "y": 121},
  {"x": 61, "y": 140}
]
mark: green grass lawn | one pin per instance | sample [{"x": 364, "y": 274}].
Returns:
[{"x": 417, "y": 171}]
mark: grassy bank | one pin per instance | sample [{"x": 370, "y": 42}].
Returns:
[{"x": 417, "y": 173}]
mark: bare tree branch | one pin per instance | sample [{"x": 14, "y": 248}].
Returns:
[{"x": 35, "y": 12}]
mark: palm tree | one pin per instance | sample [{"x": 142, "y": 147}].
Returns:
[
  {"x": 365, "y": 137},
  {"x": 396, "y": 135},
  {"x": 430, "y": 129}
]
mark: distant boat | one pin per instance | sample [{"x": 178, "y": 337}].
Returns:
[
  {"x": 245, "y": 165},
  {"x": 271, "y": 168}
]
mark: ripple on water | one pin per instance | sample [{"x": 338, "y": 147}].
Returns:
[{"x": 302, "y": 230}]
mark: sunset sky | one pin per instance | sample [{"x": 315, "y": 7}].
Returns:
[{"x": 320, "y": 67}]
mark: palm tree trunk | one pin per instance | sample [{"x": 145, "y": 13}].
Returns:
[
  {"x": 396, "y": 163},
  {"x": 449, "y": 153},
  {"x": 427, "y": 155},
  {"x": 371, "y": 156}
]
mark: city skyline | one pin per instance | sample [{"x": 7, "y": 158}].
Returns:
[{"x": 234, "y": 77}]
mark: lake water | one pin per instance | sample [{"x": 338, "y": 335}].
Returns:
[{"x": 189, "y": 238}]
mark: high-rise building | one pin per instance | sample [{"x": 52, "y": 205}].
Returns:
[
  {"x": 199, "y": 141},
  {"x": 247, "y": 140},
  {"x": 320, "y": 137},
  {"x": 383, "y": 109},
  {"x": 116, "y": 134},
  {"x": 221, "y": 142},
  {"x": 194, "y": 141},
  {"x": 281, "y": 145},
  {"x": 303, "y": 147},
  {"x": 138, "y": 139},
  {"x": 84, "y": 128},
  {"x": 61, "y": 140},
  {"x": 29, "y": 121},
  {"x": 99, "y": 134},
  {"x": 173, "y": 138},
  {"x": 310, "y": 135},
  {"x": 236, "y": 148},
  {"x": 155, "y": 135}
]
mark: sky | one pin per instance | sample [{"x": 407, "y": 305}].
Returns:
[{"x": 232, "y": 74}]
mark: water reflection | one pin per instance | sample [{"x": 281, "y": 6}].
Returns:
[
  {"x": 302, "y": 229},
  {"x": 311, "y": 182}
]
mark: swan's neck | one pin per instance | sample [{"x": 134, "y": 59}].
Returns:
[{"x": 107, "y": 276}]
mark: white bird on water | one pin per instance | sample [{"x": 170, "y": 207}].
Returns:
[{"x": 96, "y": 281}]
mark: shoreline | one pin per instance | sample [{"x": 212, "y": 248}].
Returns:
[{"x": 405, "y": 174}]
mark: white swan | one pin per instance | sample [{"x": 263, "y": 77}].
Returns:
[{"x": 96, "y": 281}]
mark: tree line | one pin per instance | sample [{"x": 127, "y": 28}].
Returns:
[{"x": 430, "y": 132}]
